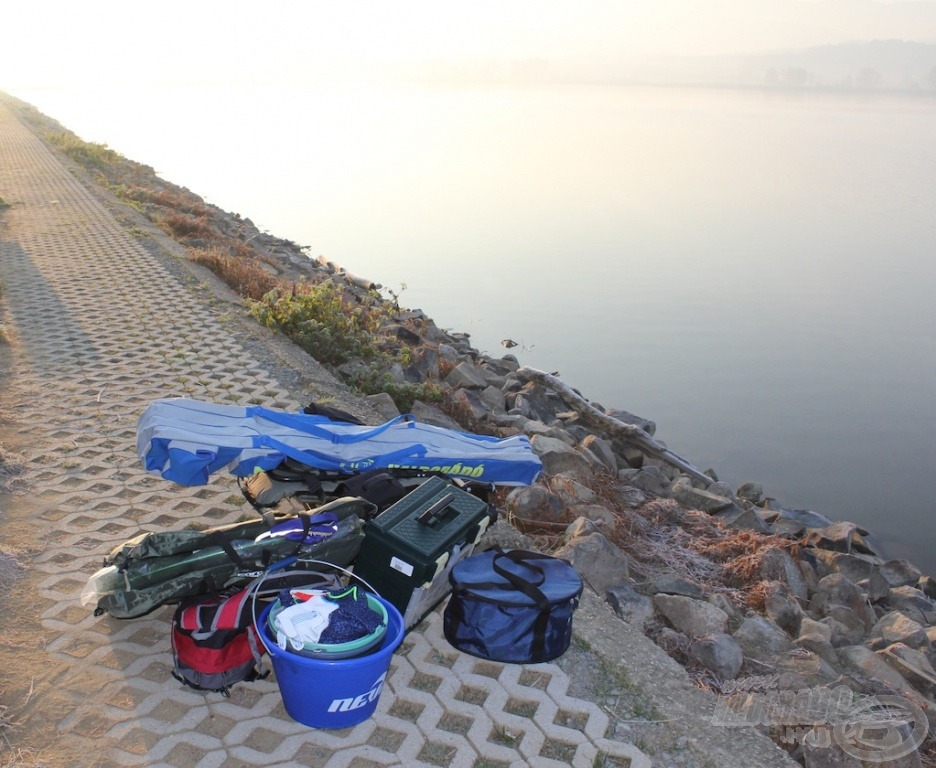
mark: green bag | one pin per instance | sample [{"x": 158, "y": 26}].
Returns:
[{"x": 154, "y": 569}]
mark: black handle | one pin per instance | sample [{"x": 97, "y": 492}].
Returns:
[{"x": 426, "y": 517}]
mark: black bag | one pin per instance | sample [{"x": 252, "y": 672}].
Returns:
[{"x": 512, "y": 606}]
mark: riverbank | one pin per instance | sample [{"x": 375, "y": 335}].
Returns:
[{"x": 733, "y": 586}]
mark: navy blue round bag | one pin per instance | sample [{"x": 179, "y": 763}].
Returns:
[{"x": 512, "y": 606}]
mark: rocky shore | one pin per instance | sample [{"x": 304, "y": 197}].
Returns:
[{"x": 757, "y": 601}]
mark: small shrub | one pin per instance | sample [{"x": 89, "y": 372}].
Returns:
[
  {"x": 321, "y": 321},
  {"x": 94, "y": 156}
]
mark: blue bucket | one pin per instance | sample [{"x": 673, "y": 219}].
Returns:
[{"x": 333, "y": 693}]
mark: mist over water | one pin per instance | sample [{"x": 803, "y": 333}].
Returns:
[{"x": 752, "y": 270}]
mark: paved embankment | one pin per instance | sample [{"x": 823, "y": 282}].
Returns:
[{"x": 101, "y": 326}]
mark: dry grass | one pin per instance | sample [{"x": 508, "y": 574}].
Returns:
[
  {"x": 246, "y": 277},
  {"x": 11, "y": 470}
]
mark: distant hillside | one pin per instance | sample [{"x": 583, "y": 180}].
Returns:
[{"x": 875, "y": 64}]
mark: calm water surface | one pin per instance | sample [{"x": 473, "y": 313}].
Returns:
[{"x": 754, "y": 271}]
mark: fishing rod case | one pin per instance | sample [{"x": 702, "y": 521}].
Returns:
[{"x": 512, "y": 606}]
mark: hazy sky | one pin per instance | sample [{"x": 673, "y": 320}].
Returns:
[{"x": 53, "y": 43}]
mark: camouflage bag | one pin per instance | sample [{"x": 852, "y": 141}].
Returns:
[{"x": 155, "y": 569}]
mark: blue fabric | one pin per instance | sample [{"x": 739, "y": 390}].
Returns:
[
  {"x": 513, "y": 611},
  {"x": 187, "y": 440}
]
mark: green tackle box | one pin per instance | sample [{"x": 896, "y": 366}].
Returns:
[{"x": 409, "y": 549}]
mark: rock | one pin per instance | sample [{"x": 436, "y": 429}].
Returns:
[
  {"x": 720, "y": 600},
  {"x": 811, "y": 628},
  {"x": 425, "y": 365},
  {"x": 913, "y": 603},
  {"x": 847, "y": 627},
  {"x": 761, "y": 639},
  {"x": 839, "y": 537},
  {"x": 750, "y": 520},
  {"x": 493, "y": 398},
  {"x": 854, "y": 567},
  {"x": 534, "y": 403},
  {"x": 628, "y": 455},
  {"x": 720, "y": 653},
  {"x": 696, "y": 498},
  {"x": 469, "y": 401},
  {"x": 779, "y": 565},
  {"x": 806, "y": 517},
  {"x": 894, "y": 627},
  {"x": 602, "y": 450},
  {"x": 912, "y": 665},
  {"x": 570, "y": 491},
  {"x": 581, "y": 526},
  {"x": 782, "y": 607},
  {"x": 631, "y": 606},
  {"x": 646, "y": 425},
  {"x": 651, "y": 480},
  {"x": 561, "y": 459},
  {"x": 927, "y": 584},
  {"x": 720, "y": 489},
  {"x": 789, "y": 529},
  {"x": 534, "y": 502},
  {"x": 819, "y": 646},
  {"x": 752, "y": 492},
  {"x": 881, "y": 675},
  {"x": 899, "y": 573},
  {"x": 429, "y": 414},
  {"x": 383, "y": 404},
  {"x": 601, "y": 564},
  {"x": 809, "y": 572},
  {"x": 835, "y": 589},
  {"x": 631, "y": 497},
  {"x": 670, "y": 584},
  {"x": 595, "y": 513},
  {"x": 878, "y": 587},
  {"x": 695, "y": 618}
]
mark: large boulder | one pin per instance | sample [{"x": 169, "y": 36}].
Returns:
[
  {"x": 534, "y": 502},
  {"x": 835, "y": 589},
  {"x": 895, "y": 627},
  {"x": 782, "y": 607},
  {"x": 630, "y": 605},
  {"x": 600, "y": 564},
  {"x": 761, "y": 639},
  {"x": 899, "y": 573},
  {"x": 558, "y": 458},
  {"x": 694, "y": 618},
  {"x": 779, "y": 565},
  {"x": 913, "y": 665},
  {"x": 913, "y": 603},
  {"x": 697, "y": 498},
  {"x": 719, "y": 653}
]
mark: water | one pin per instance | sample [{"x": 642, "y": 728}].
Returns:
[{"x": 754, "y": 271}]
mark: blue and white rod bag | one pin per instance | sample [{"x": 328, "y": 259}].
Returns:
[{"x": 186, "y": 440}]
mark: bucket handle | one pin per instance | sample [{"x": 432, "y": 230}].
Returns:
[{"x": 279, "y": 565}]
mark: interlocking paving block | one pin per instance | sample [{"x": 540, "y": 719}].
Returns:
[{"x": 102, "y": 327}]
